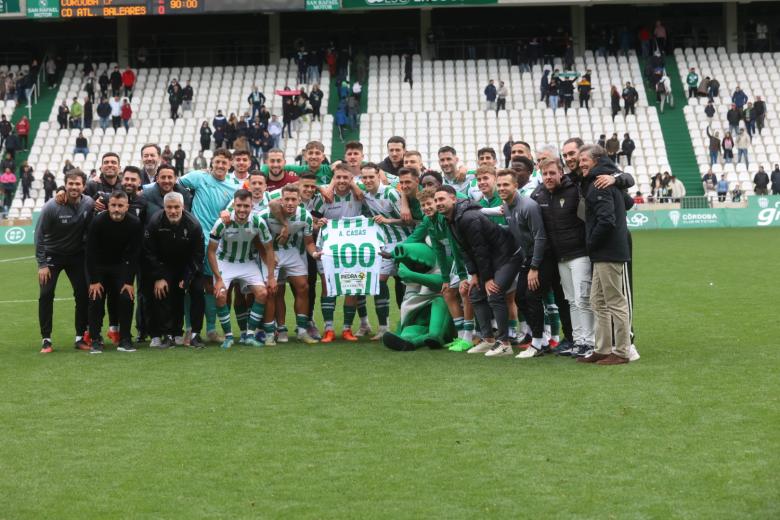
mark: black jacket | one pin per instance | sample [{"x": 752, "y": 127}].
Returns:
[
  {"x": 99, "y": 187},
  {"x": 606, "y": 232},
  {"x": 775, "y": 177},
  {"x": 103, "y": 109},
  {"x": 485, "y": 246},
  {"x": 173, "y": 251},
  {"x": 564, "y": 229},
  {"x": 387, "y": 166},
  {"x": 154, "y": 199}
]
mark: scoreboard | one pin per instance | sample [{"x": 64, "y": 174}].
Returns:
[{"x": 93, "y": 8}]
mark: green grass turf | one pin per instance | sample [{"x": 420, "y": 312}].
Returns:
[{"x": 359, "y": 431}]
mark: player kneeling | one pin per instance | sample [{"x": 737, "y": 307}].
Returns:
[{"x": 231, "y": 256}]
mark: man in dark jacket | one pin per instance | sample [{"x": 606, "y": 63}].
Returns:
[
  {"x": 108, "y": 181},
  {"x": 761, "y": 182},
  {"x": 627, "y": 147},
  {"x": 5, "y": 130},
  {"x": 607, "y": 244},
  {"x": 564, "y": 224},
  {"x": 525, "y": 224},
  {"x": 104, "y": 113},
  {"x": 734, "y": 116},
  {"x": 489, "y": 262},
  {"x": 172, "y": 257},
  {"x": 759, "y": 110},
  {"x": 490, "y": 95},
  {"x": 116, "y": 81},
  {"x": 396, "y": 146},
  {"x": 775, "y": 179},
  {"x": 630, "y": 97}
]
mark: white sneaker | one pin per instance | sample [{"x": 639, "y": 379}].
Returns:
[
  {"x": 282, "y": 337},
  {"x": 214, "y": 337},
  {"x": 304, "y": 337},
  {"x": 633, "y": 353},
  {"x": 529, "y": 353},
  {"x": 363, "y": 331},
  {"x": 269, "y": 340},
  {"x": 179, "y": 340},
  {"x": 481, "y": 348},
  {"x": 501, "y": 349},
  {"x": 379, "y": 334},
  {"x": 155, "y": 343}
]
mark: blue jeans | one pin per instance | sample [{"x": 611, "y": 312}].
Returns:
[
  {"x": 104, "y": 122},
  {"x": 713, "y": 157},
  {"x": 740, "y": 153},
  {"x": 554, "y": 103},
  {"x": 85, "y": 151},
  {"x": 313, "y": 73}
]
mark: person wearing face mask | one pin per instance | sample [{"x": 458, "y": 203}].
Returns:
[{"x": 112, "y": 253}]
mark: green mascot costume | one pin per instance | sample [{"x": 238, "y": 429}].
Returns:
[{"x": 425, "y": 319}]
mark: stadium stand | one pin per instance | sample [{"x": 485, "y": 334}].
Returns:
[
  {"x": 447, "y": 106},
  {"x": 757, "y": 75},
  {"x": 215, "y": 88}
]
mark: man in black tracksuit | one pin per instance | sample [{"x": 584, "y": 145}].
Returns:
[
  {"x": 172, "y": 259},
  {"x": 607, "y": 243},
  {"x": 524, "y": 221},
  {"x": 487, "y": 253},
  {"x": 59, "y": 246},
  {"x": 113, "y": 246}
]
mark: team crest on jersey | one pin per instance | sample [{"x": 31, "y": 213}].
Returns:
[{"x": 562, "y": 201}]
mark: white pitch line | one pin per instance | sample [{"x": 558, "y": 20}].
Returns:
[
  {"x": 31, "y": 301},
  {"x": 16, "y": 259}
]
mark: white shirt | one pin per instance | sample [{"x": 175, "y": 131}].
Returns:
[{"x": 116, "y": 107}]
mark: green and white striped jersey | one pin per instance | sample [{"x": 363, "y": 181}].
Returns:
[
  {"x": 343, "y": 206},
  {"x": 386, "y": 202},
  {"x": 468, "y": 184},
  {"x": 239, "y": 182},
  {"x": 298, "y": 225},
  {"x": 235, "y": 240}
]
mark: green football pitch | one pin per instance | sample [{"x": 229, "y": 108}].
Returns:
[{"x": 359, "y": 431}]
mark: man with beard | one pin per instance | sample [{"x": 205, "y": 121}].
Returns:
[
  {"x": 155, "y": 192},
  {"x": 59, "y": 246},
  {"x": 150, "y": 157},
  {"x": 396, "y": 146},
  {"x": 172, "y": 260},
  {"x": 113, "y": 247}
]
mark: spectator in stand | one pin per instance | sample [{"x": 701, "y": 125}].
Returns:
[
  {"x": 341, "y": 119},
  {"x": 27, "y": 178},
  {"x": 759, "y": 109},
  {"x": 704, "y": 87},
  {"x": 630, "y": 97},
  {"x": 566, "y": 91},
  {"x": 710, "y": 180},
  {"x": 644, "y": 41},
  {"x": 638, "y": 198},
  {"x": 627, "y": 148},
  {"x": 602, "y": 142},
  {"x": 663, "y": 91},
  {"x": 178, "y": 160},
  {"x": 677, "y": 188},
  {"x": 67, "y": 167},
  {"x": 407, "y": 70},
  {"x": 205, "y": 136},
  {"x": 353, "y": 112},
  {"x": 749, "y": 117},
  {"x": 728, "y": 148},
  {"x": 116, "y": 112},
  {"x": 692, "y": 80},
  {"x": 256, "y": 100},
  {"x": 613, "y": 148},
  {"x": 714, "y": 146},
  {"x": 51, "y": 72},
  {"x": 103, "y": 83},
  {"x": 175, "y": 96},
  {"x": 583, "y": 88},
  {"x": 186, "y": 97},
  {"x": 116, "y": 81},
  {"x": 126, "y": 113},
  {"x": 200, "y": 163},
  {"x": 544, "y": 85},
  {"x": 89, "y": 88},
  {"x": 12, "y": 145},
  {"x": 23, "y": 131},
  {"x": 219, "y": 121},
  {"x": 254, "y": 136},
  {"x": 761, "y": 182},
  {"x": 288, "y": 113},
  {"x": 709, "y": 111},
  {"x": 167, "y": 155},
  {"x": 302, "y": 62},
  {"x": 330, "y": 59},
  {"x": 49, "y": 185},
  {"x": 76, "y": 111},
  {"x": 10, "y": 87},
  {"x": 357, "y": 90},
  {"x": 8, "y": 162},
  {"x": 128, "y": 81},
  {"x": 82, "y": 146},
  {"x": 615, "y": 101},
  {"x": 88, "y": 113},
  {"x": 104, "y": 113},
  {"x": 552, "y": 93},
  {"x": 739, "y": 98},
  {"x": 723, "y": 188},
  {"x": 490, "y": 96},
  {"x": 313, "y": 62},
  {"x": 5, "y": 130},
  {"x": 736, "y": 193},
  {"x": 315, "y": 100},
  {"x": 264, "y": 116},
  {"x": 743, "y": 143},
  {"x": 507, "y": 150},
  {"x": 219, "y": 136},
  {"x": 714, "y": 89},
  {"x": 275, "y": 129},
  {"x": 775, "y": 179},
  {"x": 733, "y": 116},
  {"x": 231, "y": 130},
  {"x": 8, "y": 180}
]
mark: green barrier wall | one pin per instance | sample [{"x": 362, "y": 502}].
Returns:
[{"x": 761, "y": 212}]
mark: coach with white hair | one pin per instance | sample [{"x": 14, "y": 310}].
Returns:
[{"x": 172, "y": 259}]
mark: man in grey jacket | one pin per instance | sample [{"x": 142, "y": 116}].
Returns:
[
  {"x": 524, "y": 221},
  {"x": 59, "y": 246}
]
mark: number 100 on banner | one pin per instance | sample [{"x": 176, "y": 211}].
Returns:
[{"x": 351, "y": 259}]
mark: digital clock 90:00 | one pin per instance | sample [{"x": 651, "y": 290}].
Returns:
[{"x": 117, "y": 8}]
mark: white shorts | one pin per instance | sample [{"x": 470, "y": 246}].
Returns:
[
  {"x": 454, "y": 277},
  {"x": 388, "y": 264},
  {"x": 290, "y": 262},
  {"x": 246, "y": 274}
]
